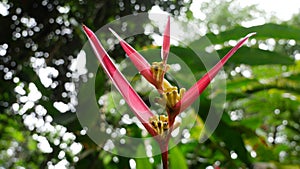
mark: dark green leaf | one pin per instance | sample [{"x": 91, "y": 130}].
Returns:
[
  {"x": 265, "y": 31},
  {"x": 177, "y": 159}
]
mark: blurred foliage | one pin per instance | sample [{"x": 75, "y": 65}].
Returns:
[{"x": 260, "y": 125}]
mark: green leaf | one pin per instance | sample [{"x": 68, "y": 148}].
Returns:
[
  {"x": 177, "y": 159},
  {"x": 32, "y": 145},
  {"x": 265, "y": 31},
  {"x": 252, "y": 122},
  {"x": 241, "y": 85},
  {"x": 233, "y": 141},
  {"x": 142, "y": 162},
  {"x": 245, "y": 55},
  {"x": 15, "y": 133},
  {"x": 255, "y": 56},
  {"x": 189, "y": 57}
]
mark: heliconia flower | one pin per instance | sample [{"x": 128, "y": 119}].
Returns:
[
  {"x": 155, "y": 73},
  {"x": 175, "y": 100}
]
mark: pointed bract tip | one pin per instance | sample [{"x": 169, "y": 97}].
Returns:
[
  {"x": 115, "y": 34},
  {"x": 251, "y": 34},
  {"x": 166, "y": 42},
  {"x": 167, "y": 29},
  {"x": 88, "y": 32}
]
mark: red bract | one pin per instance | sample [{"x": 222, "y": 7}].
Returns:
[
  {"x": 194, "y": 92},
  {"x": 176, "y": 100},
  {"x": 165, "y": 48},
  {"x": 166, "y": 43},
  {"x": 137, "y": 59},
  {"x": 134, "y": 101}
]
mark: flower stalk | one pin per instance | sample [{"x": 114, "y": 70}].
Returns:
[{"x": 175, "y": 100}]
